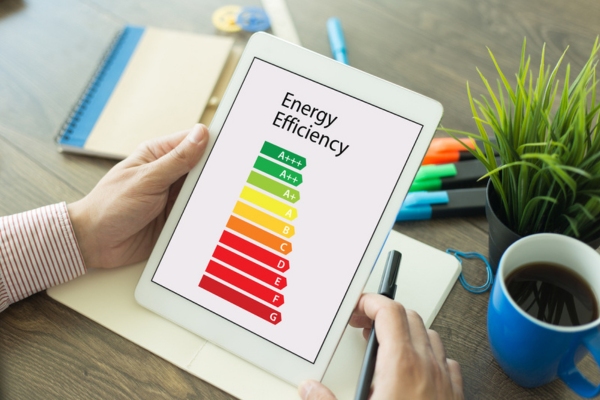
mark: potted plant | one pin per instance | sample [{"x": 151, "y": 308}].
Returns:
[{"x": 546, "y": 135}]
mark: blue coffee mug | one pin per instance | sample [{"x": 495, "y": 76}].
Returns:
[{"x": 532, "y": 352}]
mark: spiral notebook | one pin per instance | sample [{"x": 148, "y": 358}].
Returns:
[{"x": 151, "y": 82}]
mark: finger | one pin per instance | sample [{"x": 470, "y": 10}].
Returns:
[
  {"x": 313, "y": 390},
  {"x": 370, "y": 304},
  {"x": 439, "y": 351},
  {"x": 181, "y": 158},
  {"x": 366, "y": 332},
  {"x": 152, "y": 150},
  {"x": 360, "y": 321},
  {"x": 390, "y": 318},
  {"x": 418, "y": 332},
  {"x": 173, "y": 193},
  {"x": 456, "y": 378}
]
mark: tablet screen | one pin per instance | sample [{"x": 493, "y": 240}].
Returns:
[{"x": 285, "y": 207}]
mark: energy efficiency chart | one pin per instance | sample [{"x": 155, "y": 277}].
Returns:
[{"x": 247, "y": 265}]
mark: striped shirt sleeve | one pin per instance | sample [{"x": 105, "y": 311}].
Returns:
[{"x": 38, "y": 249}]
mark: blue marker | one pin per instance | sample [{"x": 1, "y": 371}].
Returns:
[
  {"x": 448, "y": 203},
  {"x": 336, "y": 40}
]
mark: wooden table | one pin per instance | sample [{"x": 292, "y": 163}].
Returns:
[{"x": 49, "y": 50}]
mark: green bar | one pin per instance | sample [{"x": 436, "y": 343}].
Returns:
[
  {"x": 280, "y": 172},
  {"x": 283, "y": 156},
  {"x": 278, "y": 189}
]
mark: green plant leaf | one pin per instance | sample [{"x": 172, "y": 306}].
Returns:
[{"x": 548, "y": 143}]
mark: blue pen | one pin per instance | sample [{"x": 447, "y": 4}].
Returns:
[
  {"x": 442, "y": 203},
  {"x": 336, "y": 40}
]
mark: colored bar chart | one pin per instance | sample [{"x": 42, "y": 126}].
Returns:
[
  {"x": 263, "y": 219},
  {"x": 247, "y": 266},
  {"x": 273, "y": 187},
  {"x": 243, "y": 264},
  {"x": 260, "y": 235},
  {"x": 266, "y": 257},
  {"x": 268, "y": 203},
  {"x": 235, "y": 297}
]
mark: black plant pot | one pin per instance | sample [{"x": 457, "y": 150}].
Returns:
[{"x": 500, "y": 235}]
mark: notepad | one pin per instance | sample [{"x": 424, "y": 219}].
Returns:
[
  {"x": 152, "y": 82},
  {"x": 425, "y": 278}
]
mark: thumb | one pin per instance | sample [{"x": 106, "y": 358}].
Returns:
[
  {"x": 182, "y": 158},
  {"x": 313, "y": 390}
]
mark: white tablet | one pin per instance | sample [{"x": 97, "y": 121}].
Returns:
[{"x": 275, "y": 232}]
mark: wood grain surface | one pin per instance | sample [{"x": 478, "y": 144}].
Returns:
[{"x": 50, "y": 49}]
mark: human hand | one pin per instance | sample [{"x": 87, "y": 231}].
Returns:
[
  {"x": 411, "y": 360},
  {"x": 119, "y": 221}
]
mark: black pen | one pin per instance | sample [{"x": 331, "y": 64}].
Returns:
[{"x": 387, "y": 287}]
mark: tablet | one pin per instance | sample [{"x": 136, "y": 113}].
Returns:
[{"x": 275, "y": 231}]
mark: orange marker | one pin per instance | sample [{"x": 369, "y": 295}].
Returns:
[{"x": 448, "y": 150}]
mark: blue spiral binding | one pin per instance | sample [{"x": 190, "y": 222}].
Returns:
[
  {"x": 490, "y": 276},
  {"x": 126, "y": 39}
]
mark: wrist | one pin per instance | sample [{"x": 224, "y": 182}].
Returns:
[{"x": 81, "y": 222}]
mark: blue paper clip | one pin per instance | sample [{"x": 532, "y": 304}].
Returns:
[{"x": 490, "y": 277}]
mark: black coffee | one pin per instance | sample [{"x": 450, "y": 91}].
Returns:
[{"x": 553, "y": 294}]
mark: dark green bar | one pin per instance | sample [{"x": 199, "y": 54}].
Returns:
[
  {"x": 278, "y": 171},
  {"x": 283, "y": 156},
  {"x": 278, "y": 189}
]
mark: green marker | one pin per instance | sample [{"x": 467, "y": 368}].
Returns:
[{"x": 462, "y": 174}]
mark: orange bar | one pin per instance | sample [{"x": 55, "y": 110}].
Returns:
[
  {"x": 258, "y": 234},
  {"x": 263, "y": 219}
]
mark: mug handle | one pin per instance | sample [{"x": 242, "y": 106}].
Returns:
[{"x": 571, "y": 375}]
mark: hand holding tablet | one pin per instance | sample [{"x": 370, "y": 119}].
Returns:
[{"x": 259, "y": 255}]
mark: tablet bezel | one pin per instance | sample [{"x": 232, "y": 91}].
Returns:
[{"x": 226, "y": 334}]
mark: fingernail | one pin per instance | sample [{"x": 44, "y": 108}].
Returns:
[
  {"x": 304, "y": 389},
  {"x": 197, "y": 134}
]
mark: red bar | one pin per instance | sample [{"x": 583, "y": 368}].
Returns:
[
  {"x": 244, "y": 283},
  {"x": 240, "y": 300},
  {"x": 249, "y": 267},
  {"x": 254, "y": 251}
]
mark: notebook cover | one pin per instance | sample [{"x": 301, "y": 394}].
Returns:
[{"x": 151, "y": 83}]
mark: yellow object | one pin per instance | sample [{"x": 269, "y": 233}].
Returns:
[
  {"x": 224, "y": 18},
  {"x": 265, "y": 220}
]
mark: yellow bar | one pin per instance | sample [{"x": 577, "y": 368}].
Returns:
[
  {"x": 268, "y": 203},
  {"x": 265, "y": 220}
]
